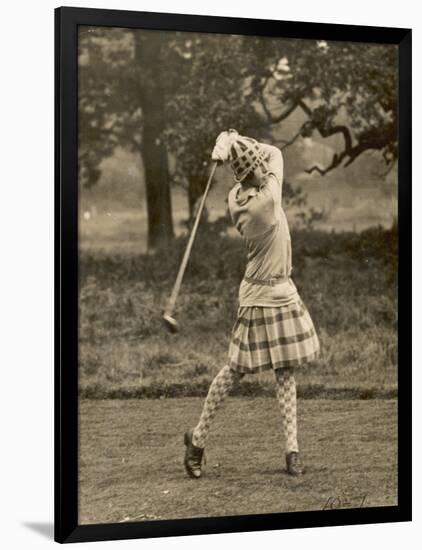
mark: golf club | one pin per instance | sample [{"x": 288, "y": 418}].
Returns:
[{"x": 168, "y": 318}]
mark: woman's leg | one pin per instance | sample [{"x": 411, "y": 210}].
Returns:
[
  {"x": 286, "y": 395},
  {"x": 217, "y": 393},
  {"x": 195, "y": 439}
]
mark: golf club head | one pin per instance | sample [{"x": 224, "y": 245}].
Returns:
[{"x": 171, "y": 323}]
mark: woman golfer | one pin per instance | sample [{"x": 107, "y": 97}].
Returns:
[{"x": 273, "y": 329}]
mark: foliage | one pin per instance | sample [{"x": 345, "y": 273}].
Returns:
[
  {"x": 109, "y": 106},
  {"x": 210, "y": 82},
  {"x": 210, "y": 97},
  {"x": 343, "y": 88}
]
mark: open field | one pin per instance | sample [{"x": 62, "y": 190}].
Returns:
[
  {"x": 347, "y": 280},
  {"x": 131, "y": 458}
]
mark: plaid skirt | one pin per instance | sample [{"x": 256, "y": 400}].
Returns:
[{"x": 272, "y": 337}]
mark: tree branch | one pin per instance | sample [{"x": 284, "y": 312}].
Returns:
[
  {"x": 352, "y": 155},
  {"x": 350, "y": 152},
  {"x": 284, "y": 114},
  {"x": 322, "y": 171},
  {"x": 262, "y": 100},
  {"x": 287, "y": 143}
]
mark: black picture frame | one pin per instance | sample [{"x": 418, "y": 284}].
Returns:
[{"x": 67, "y": 20}]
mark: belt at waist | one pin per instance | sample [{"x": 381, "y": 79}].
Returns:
[{"x": 272, "y": 281}]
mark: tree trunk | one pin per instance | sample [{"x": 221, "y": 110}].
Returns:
[
  {"x": 154, "y": 154},
  {"x": 160, "y": 223},
  {"x": 192, "y": 198}
]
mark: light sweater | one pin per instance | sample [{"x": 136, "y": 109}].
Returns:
[{"x": 259, "y": 217}]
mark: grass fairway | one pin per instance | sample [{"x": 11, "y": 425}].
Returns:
[{"x": 131, "y": 458}]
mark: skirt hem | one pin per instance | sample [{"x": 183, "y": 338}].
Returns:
[{"x": 297, "y": 363}]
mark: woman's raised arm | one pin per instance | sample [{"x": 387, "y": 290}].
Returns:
[{"x": 274, "y": 160}]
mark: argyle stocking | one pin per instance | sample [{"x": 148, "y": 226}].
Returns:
[
  {"x": 217, "y": 393},
  {"x": 286, "y": 395}
]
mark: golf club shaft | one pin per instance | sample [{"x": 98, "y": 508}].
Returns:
[{"x": 182, "y": 268}]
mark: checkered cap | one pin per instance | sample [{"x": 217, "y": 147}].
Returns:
[{"x": 245, "y": 155}]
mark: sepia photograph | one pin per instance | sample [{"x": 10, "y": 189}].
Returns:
[{"x": 237, "y": 274}]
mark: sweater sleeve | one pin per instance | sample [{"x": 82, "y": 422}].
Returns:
[{"x": 274, "y": 160}]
